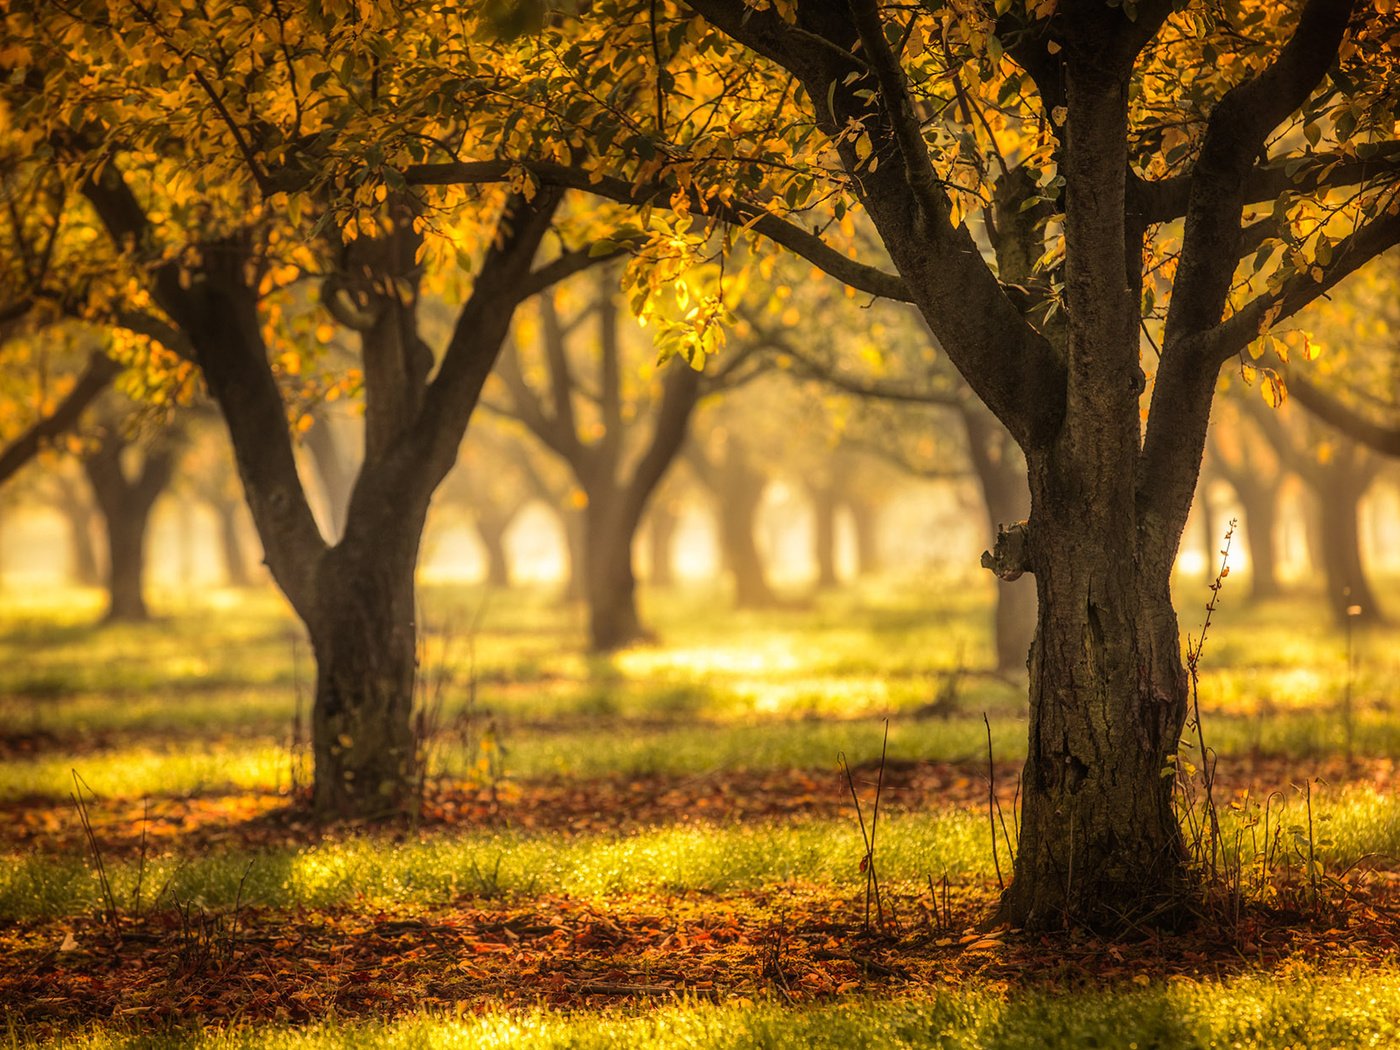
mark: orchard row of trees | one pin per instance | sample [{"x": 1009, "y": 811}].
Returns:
[{"x": 1093, "y": 209}]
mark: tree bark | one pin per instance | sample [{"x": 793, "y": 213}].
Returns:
[
  {"x": 610, "y": 583},
  {"x": 1099, "y": 842},
  {"x": 363, "y": 634}
]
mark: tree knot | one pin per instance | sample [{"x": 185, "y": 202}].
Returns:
[{"x": 1010, "y": 555}]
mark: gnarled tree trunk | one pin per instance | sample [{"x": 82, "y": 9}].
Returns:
[{"x": 1108, "y": 695}]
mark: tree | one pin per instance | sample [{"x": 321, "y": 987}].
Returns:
[
  {"x": 1239, "y": 457},
  {"x": 127, "y": 477},
  {"x": 1337, "y": 471},
  {"x": 1249, "y": 128},
  {"x": 582, "y": 409},
  {"x": 202, "y": 192},
  {"x": 736, "y": 480}
]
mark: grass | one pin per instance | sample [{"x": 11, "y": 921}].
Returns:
[
  {"x": 202, "y": 702},
  {"x": 1309, "y": 1007},
  {"x": 384, "y": 872},
  {"x": 486, "y": 864}
]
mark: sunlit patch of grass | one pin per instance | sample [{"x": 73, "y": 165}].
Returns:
[
  {"x": 1313, "y": 1007},
  {"x": 699, "y": 857},
  {"x": 619, "y": 748},
  {"x": 1346, "y": 827},
  {"x": 136, "y": 772}
]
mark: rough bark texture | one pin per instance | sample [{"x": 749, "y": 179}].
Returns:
[
  {"x": 1099, "y": 841},
  {"x": 1109, "y": 497},
  {"x": 364, "y": 639}
]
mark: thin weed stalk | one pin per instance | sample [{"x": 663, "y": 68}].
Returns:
[
  {"x": 992, "y": 807},
  {"x": 111, "y": 916},
  {"x": 867, "y": 861}
]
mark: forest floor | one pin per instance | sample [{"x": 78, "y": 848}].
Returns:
[{"x": 661, "y": 847}]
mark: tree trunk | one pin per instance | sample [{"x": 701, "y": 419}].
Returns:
[
  {"x": 738, "y": 514},
  {"x": 491, "y": 531},
  {"x": 236, "y": 572},
  {"x": 364, "y": 637},
  {"x": 125, "y": 505},
  {"x": 1211, "y": 536},
  {"x": 610, "y": 584},
  {"x": 1108, "y": 698},
  {"x": 824, "y": 534},
  {"x": 1339, "y": 534},
  {"x": 662, "y": 523},
  {"x": 1001, "y": 476},
  {"x": 82, "y": 553},
  {"x": 1260, "y": 503},
  {"x": 865, "y": 521},
  {"x": 571, "y": 522}
]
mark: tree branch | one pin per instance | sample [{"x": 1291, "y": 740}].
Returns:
[
  {"x": 96, "y": 377},
  {"x": 1266, "y": 310},
  {"x": 656, "y": 193}
]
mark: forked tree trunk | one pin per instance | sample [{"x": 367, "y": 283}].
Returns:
[
  {"x": 1108, "y": 699},
  {"x": 363, "y": 634}
]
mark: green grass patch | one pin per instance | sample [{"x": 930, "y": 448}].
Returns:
[{"x": 1310, "y": 1008}]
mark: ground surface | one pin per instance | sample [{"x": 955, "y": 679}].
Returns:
[{"x": 662, "y": 846}]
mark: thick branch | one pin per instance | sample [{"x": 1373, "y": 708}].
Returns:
[
  {"x": 1234, "y": 137},
  {"x": 1382, "y": 438},
  {"x": 1167, "y": 199}
]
